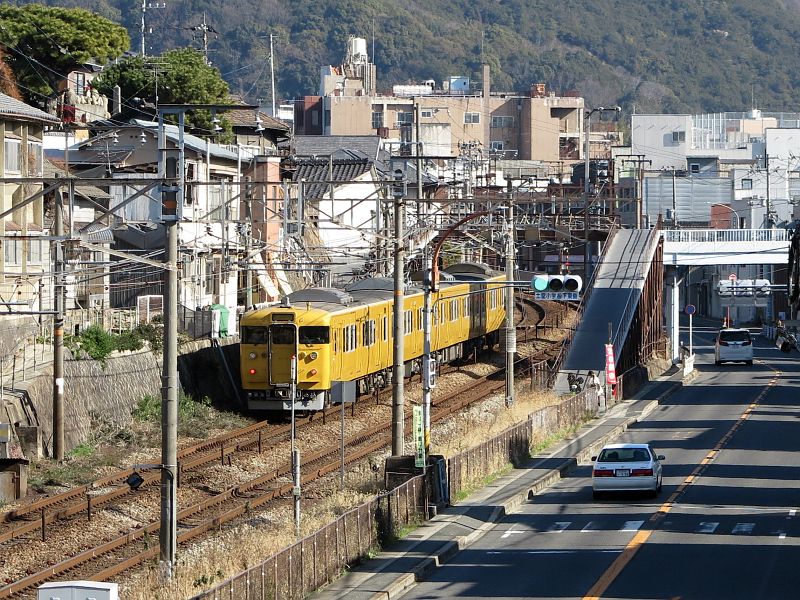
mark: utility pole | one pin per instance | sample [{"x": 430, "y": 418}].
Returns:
[
  {"x": 586, "y": 257},
  {"x": 674, "y": 200},
  {"x": 511, "y": 332},
  {"x": 766, "y": 168},
  {"x": 248, "y": 212},
  {"x": 58, "y": 318},
  {"x": 398, "y": 371},
  {"x": 272, "y": 74},
  {"x": 172, "y": 201}
]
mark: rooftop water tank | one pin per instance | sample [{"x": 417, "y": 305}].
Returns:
[{"x": 358, "y": 49}]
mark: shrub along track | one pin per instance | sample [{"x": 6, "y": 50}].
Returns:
[{"x": 125, "y": 551}]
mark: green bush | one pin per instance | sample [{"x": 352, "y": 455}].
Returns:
[
  {"x": 96, "y": 342},
  {"x": 128, "y": 340}
]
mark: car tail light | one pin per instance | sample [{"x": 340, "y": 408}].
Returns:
[
  {"x": 603, "y": 473},
  {"x": 746, "y": 343},
  {"x": 252, "y": 371},
  {"x": 723, "y": 343},
  {"x": 642, "y": 473}
]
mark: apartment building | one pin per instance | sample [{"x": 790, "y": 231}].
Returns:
[{"x": 535, "y": 125}]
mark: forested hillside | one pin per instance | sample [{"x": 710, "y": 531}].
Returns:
[{"x": 671, "y": 56}]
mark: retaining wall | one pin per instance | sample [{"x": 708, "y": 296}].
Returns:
[{"x": 95, "y": 395}]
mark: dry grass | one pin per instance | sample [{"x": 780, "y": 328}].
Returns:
[{"x": 239, "y": 548}]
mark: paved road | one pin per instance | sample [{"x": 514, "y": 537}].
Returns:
[{"x": 725, "y": 527}]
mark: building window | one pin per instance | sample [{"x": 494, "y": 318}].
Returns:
[
  {"x": 12, "y": 156},
  {"x": 34, "y": 252},
  {"x": 694, "y": 168},
  {"x": 426, "y": 114},
  {"x": 405, "y": 117},
  {"x": 327, "y": 118},
  {"x": 472, "y": 118},
  {"x": 499, "y": 146},
  {"x": 747, "y": 184},
  {"x": 80, "y": 84},
  {"x": 12, "y": 251},
  {"x": 678, "y": 137},
  {"x": 502, "y": 122},
  {"x": 377, "y": 120},
  {"x": 34, "y": 159}
]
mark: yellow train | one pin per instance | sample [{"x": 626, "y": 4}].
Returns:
[{"x": 342, "y": 340}]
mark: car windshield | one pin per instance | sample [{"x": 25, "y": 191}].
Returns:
[
  {"x": 624, "y": 455},
  {"x": 734, "y": 336}
]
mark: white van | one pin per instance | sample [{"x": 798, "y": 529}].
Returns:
[{"x": 733, "y": 345}]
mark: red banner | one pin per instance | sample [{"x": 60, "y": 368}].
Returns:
[{"x": 611, "y": 374}]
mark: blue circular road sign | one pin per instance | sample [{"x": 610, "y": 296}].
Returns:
[{"x": 690, "y": 309}]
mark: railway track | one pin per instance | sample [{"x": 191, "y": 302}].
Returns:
[{"x": 124, "y": 551}]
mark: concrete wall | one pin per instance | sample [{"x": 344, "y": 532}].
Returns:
[{"x": 95, "y": 395}]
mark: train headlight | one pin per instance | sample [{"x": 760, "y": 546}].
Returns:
[
  {"x": 312, "y": 372},
  {"x": 313, "y": 356},
  {"x": 252, "y": 356}
]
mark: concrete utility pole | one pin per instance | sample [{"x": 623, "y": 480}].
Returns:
[
  {"x": 58, "y": 330},
  {"x": 638, "y": 160},
  {"x": 511, "y": 332},
  {"x": 398, "y": 370},
  {"x": 272, "y": 75},
  {"x": 169, "y": 387}
]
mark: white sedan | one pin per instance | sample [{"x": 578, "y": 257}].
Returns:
[{"x": 626, "y": 467}]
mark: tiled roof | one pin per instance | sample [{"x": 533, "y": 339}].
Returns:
[
  {"x": 319, "y": 169},
  {"x": 246, "y": 118},
  {"x": 51, "y": 169},
  {"x": 14, "y": 108},
  {"x": 325, "y": 145}
]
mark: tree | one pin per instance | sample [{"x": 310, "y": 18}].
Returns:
[
  {"x": 44, "y": 44},
  {"x": 182, "y": 76}
]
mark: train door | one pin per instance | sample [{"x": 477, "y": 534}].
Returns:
[{"x": 282, "y": 346}]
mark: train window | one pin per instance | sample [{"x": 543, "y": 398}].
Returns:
[
  {"x": 385, "y": 328},
  {"x": 282, "y": 334},
  {"x": 419, "y": 319},
  {"x": 368, "y": 333},
  {"x": 350, "y": 341},
  {"x": 466, "y": 306},
  {"x": 254, "y": 335},
  {"x": 408, "y": 322},
  {"x": 453, "y": 310},
  {"x": 314, "y": 335}
]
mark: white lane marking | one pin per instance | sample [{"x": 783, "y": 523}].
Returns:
[
  {"x": 707, "y": 527},
  {"x": 605, "y": 551},
  {"x": 632, "y": 525},
  {"x": 743, "y": 528},
  {"x": 559, "y": 526},
  {"x": 509, "y": 532},
  {"x": 590, "y": 526}
]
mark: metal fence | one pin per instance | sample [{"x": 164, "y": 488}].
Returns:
[
  {"x": 468, "y": 468},
  {"x": 319, "y": 558},
  {"x": 322, "y": 556},
  {"x": 197, "y": 324}
]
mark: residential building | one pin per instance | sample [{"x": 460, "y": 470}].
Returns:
[
  {"x": 25, "y": 257},
  {"x": 534, "y": 125}
]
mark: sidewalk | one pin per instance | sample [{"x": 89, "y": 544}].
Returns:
[{"x": 414, "y": 557}]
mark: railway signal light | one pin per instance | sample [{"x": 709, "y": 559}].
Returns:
[{"x": 559, "y": 285}]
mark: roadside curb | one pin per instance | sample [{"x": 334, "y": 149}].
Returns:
[{"x": 449, "y": 549}]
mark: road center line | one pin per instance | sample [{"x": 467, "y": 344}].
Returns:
[{"x": 606, "y": 579}]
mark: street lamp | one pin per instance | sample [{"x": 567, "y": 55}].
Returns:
[{"x": 586, "y": 132}]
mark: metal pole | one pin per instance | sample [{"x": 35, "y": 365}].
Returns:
[
  {"x": 272, "y": 75},
  {"x": 341, "y": 448},
  {"x": 398, "y": 371},
  {"x": 169, "y": 398},
  {"x": 248, "y": 294},
  {"x": 691, "y": 349},
  {"x": 511, "y": 332},
  {"x": 586, "y": 128},
  {"x": 295, "y": 451},
  {"x": 427, "y": 364}
]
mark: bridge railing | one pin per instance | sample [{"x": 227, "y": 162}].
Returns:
[{"x": 725, "y": 235}]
